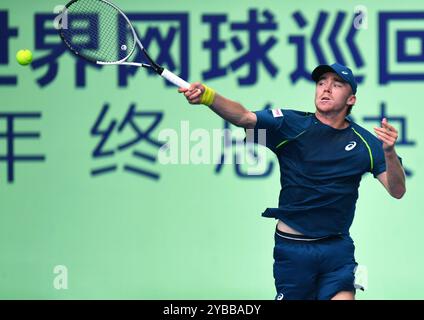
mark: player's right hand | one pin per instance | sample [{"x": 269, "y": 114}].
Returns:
[{"x": 194, "y": 93}]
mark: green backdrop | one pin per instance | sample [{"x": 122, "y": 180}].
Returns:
[{"x": 193, "y": 233}]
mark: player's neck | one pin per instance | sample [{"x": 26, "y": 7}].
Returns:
[{"x": 336, "y": 121}]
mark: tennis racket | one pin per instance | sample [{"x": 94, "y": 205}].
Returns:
[{"x": 101, "y": 33}]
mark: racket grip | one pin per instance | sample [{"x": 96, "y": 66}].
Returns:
[{"x": 171, "y": 77}]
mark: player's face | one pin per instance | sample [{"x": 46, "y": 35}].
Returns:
[{"x": 333, "y": 94}]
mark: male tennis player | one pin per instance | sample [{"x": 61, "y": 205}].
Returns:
[{"x": 322, "y": 158}]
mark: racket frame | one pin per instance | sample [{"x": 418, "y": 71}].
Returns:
[{"x": 163, "y": 72}]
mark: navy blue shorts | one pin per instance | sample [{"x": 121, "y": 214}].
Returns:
[{"x": 313, "y": 269}]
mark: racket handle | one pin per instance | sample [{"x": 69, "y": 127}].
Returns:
[{"x": 168, "y": 75}]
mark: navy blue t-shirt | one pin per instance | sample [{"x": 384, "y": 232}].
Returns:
[{"x": 321, "y": 168}]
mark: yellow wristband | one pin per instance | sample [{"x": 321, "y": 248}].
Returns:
[{"x": 208, "y": 96}]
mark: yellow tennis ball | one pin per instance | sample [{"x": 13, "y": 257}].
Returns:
[{"x": 24, "y": 57}]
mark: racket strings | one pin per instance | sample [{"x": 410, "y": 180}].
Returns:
[{"x": 98, "y": 31}]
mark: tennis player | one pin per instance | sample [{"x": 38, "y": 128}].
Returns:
[{"x": 322, "y": 158}]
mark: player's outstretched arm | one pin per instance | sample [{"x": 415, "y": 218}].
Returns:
[{"x": 227, "y": 109}]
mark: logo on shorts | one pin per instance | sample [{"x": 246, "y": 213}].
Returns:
[
  {"x": 280, "y": 296},
  {"x": 361, "y": 277},
  {"x": 350, "y": 146}
]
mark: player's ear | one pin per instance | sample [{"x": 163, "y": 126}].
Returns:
[{"x": 351, "y": 100}]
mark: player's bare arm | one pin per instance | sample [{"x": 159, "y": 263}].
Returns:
[
  {"x": 393, "y": 178},
  {"x": 227, "y": 109}
]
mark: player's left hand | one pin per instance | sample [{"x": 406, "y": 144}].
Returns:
[{"x": 388, "y": 134}]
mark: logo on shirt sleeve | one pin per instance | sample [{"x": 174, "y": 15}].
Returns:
[{"x": 277, "y": 113}]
